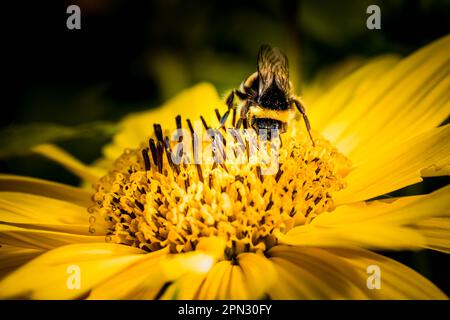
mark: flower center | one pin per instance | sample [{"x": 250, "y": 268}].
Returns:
[{"x": 152, "y": 202}]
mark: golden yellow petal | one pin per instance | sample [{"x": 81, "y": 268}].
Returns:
[
  {"x": 227, "y": 287},
  {"x": 328, "y": 77},
  {"x": 51, "y": 275},
  {"x": 12, "y": 257},
  {"x": 409, "y": 99},
  {"x": 336, "y": 99},
  {"x": 29, "y": 208},
  {"x": 435, "y": 171},
  {"x": 397, "y": 280},
  {"x": 45, "y": 188},
  {"x": 32, "y": 211},
  {"x": 370, "y": 236},
  {"x": 66, "y": 160},
  {"x": 398, "y": 167},
  {"x": 201, "y": 99},
  {"x": 396, "y": 211},
  {"x": 198, "y": 283},
  {"x": 311, "y": 273},
  {"x": 384, "y": 224},
  {"x": 145, "y": 279},
  {"x": 259, "y": 274},
  {"x": 250, "y": 278},
  {"x": 226, "y": 282},
  {"x": 210, "y": 290},
  {"x": 436, "y": 232},
  {"x": 237, "y": 288},
  {"x": 142, "y": 280},
  {"x": 185, "y": 288},
  {"x": 41, "y": 239}
]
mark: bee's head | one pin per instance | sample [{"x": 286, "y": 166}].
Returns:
[{"x": 268, "y": 125}]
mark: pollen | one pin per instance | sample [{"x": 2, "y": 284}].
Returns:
[{"x": 153, "y": 202}]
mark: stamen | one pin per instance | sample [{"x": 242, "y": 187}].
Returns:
[
  {"x": 217, "y": 114},
  {"x": 153, "y": 150},
  {"x": 199, "y": 172},
  {"x": 146, "y": 159},
  {"x": 194, "y": 139},
  {"x": 158, "y": 132},
  {"x": 239, "y": 123},
  {"x": 169, "y": 155},
  {"x": 160, "y": 155},
  {"x": 191, "y": 128},
  {"x": 258, "y": 173},
  {"x": 233, "y": 121},
  {"x": 278, "y": 176},
  {"x": 178, "y": 122},
  {"x": 205, "y": 125},
  {"x": 175, "y": 205}
]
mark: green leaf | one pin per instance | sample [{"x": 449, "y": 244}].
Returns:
[{"x": 16, "y": 140}]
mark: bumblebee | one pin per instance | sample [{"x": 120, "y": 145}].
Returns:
[{"x": 266, "y": 97}]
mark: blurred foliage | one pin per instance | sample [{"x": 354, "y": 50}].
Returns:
[{"x": 17, "y": 140}]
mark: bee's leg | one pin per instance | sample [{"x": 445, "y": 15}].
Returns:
[
  {"x": 300, "y": 108},
  {"x": 243, "y": 116},
  {"x": 239, "y": 123},
  {"x": 230, "y": 99}
]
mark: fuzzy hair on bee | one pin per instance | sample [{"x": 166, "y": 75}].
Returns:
[{"x": 266, "y": 98}]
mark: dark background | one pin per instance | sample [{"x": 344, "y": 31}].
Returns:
[{"x": 133, "y": 55}]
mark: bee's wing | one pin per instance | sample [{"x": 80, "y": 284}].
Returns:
[{"x": 272, "y": 66}]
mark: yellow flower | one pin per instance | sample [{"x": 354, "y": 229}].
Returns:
[{"x": 153, "y": 228}]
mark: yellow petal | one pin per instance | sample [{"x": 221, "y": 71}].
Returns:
[
  {"x": 237, "y": 288},
  {"x": 328, "y": 77},
  {"x": 408, "y": 100},
  {"x": 66, "y": 160},
  {"x": 397, "y": 280},
  {"x": 41, "y": 239},
  {"x": 311, "y": 273},
  {"x": 31, "y": 224},
  {"x": 371, "y": 236},
  {"x": 12, "y": 257},
  {"x": 225, "y": 281},
  {"x": 335, "y": 100},
  {"x": 145, "y": 279},
  {"x": 435, "y": 171},
  {"x": 398, "y": 167},
  {"x": 50, "y": 275},
  {"x": 201, "y": 99},
  {"x": 259, "y": 274},
  {"x": 185, "y": 288},
  {"x": 130, "y": 283},
  {"x": 250, "y": 278},
  {"x": 38, "y": 212},
  {"x": 377, "y": 225},
  {"x": 210, "y": 289},
  {"x": 436, "y": 232},
  {"x": 396, "y": 211},
  {"x": 45, "y": 188}
]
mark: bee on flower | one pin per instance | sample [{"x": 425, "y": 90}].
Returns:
[{"x": 151, "y": 227}]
